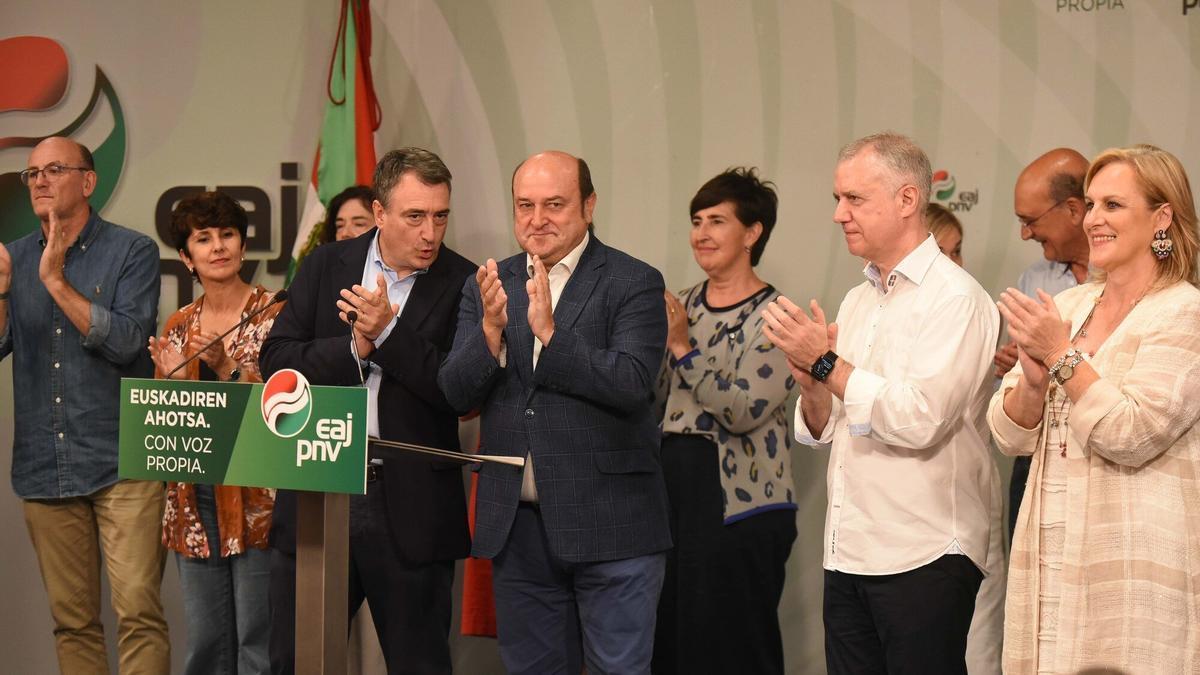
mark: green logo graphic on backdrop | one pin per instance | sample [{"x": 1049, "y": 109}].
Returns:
[
  {"x": 234, "y": 433},
  {"x": 35, "y": 72},
  {"x": 943, "y": 185}
]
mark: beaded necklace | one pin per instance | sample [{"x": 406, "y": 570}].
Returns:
[{"x": 1054, "y": 388}]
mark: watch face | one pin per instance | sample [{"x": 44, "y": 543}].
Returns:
[{"x": 1065, "y": 372}]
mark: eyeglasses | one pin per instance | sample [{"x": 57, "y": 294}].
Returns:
[
  {"x": 52, "y": 172},
  {"x": 1023, "y": 223}
]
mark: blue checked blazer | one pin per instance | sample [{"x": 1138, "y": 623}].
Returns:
[{"x": 586, "y": 414}]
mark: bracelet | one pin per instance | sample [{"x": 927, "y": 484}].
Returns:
[{"x": 1069, "y": 355}]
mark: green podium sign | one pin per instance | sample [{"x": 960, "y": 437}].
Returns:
[{"x": 283, "y": 433}]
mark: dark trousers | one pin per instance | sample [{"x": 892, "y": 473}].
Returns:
[
  {"x": 410, "y": 603},
  {"x": 1016, "y": 492},
  {"x": 548, "y": 610},
  {"x": 912, "y": 622},
  {"x": 719, "y": 607}
]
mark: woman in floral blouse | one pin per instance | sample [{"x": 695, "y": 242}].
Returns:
[
  {"x": 218, "y": 533},
  {"x": 725, "y": 447}
]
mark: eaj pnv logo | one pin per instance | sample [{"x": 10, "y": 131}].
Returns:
[
  {"x": 34, "y": 77},
  {"x": 943, "y": 185},
  {"x": 286, "y": 403}
]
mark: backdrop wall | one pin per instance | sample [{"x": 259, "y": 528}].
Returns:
[{"x": 658, "y": 95}]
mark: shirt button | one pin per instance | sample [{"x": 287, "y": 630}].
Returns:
[
  {"x": 529, "y": 413},
  {"x": 56, "y": 364},
  {"x": 58, "y": 331},
  {"x": 58, "y": 399},
  {"x": 60, "y": 435}
]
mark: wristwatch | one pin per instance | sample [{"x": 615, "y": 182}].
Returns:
[
  {"x": 823, "y": 366},
  {"x": 1064, "y": 368}
]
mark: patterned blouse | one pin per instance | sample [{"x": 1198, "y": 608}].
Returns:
[
  {"x": 735, "y": 392},
  {"x": 243, "y": 513}
]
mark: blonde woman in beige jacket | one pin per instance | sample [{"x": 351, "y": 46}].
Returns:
[{"x": 1105, "y": 566}]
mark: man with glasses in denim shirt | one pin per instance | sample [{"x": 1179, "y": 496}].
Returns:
[
  {"x": 78, "y": 301},
  {"x": 1048, "y": 201}
]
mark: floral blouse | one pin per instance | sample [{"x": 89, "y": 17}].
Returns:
[
  {"x": 735, "y": 392},
  {"x": 243, "y": 513}
]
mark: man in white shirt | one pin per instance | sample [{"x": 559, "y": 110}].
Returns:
[
  {"x": 902, "y": 399},
  {"x": 1048, "y": 202}
]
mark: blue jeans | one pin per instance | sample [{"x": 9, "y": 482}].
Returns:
[
  {"x": 545, "y": 607},
  {"x": 225, "y": 602}
]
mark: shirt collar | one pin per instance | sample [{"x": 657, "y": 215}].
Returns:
[
  {"x": 569, "y": 261},
  {"x": 375, "y": 262},
  {"x": 90, "y": 229},
  {"x": 913, "y": 267}
]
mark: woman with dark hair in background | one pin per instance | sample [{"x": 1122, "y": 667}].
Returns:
[
  {"x": 218, "y": 533},
  {"x": 725, "y": 449},
  {"x": 350, "y": 214}
]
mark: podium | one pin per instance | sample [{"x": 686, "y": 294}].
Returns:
[{"x": 283, "y": 433}]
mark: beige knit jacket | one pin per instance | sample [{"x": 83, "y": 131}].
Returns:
[{"x": 1130, "y": 599}]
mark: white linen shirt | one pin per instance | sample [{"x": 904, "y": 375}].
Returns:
[{"x": 910, "y": 473}]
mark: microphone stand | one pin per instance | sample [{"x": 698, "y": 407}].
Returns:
[
  {"x": 353, "y": 316},
  {"x": 280, "y": 296},
  {"x": 465, "y": 457}
]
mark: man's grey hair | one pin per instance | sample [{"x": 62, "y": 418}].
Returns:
[
  {"x": 427, "y": 167},
  {"x": 906, "y": 161}
]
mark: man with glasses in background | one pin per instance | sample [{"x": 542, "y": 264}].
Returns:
[
  {"x": 1048, "y": 201},
  {"x": 78, "y": 302}
]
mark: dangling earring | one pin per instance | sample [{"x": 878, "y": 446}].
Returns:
[{"x": 1162, "y": 245}]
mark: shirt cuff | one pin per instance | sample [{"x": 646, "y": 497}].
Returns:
[
  {"x": 383, "y": 336},
  {"x": 685, "y": 360},
  {"x": 804, "y": 434},
  {"x": 862, "y": 389},
  {"x": 1007, "y": 433},
  {"x": 502, "y": 357},
  {"x": 101, "y": 323},
  {"x": 362, "y": 363}
]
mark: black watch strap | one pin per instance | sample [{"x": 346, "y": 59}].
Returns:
[{"x": 823, "y": 366}]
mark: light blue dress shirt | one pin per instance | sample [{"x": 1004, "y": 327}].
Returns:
[{"x": 398, "y": 290}]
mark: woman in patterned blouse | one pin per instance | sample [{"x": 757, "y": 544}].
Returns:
[
  {"x": 725, "y": 448},
  {"x": 218, "y": 533},
  {"x": 1104, "y": 574}
]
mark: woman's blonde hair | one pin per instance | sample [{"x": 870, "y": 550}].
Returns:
[
  {"x": 940, "y": 219},
  {"x": 1162, "y": 180}
]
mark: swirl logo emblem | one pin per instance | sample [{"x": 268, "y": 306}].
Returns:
[
  {"x": 943, "y": 185},
  {"x": 286, "y": 403},
  {"x": 34, "y": 76}
]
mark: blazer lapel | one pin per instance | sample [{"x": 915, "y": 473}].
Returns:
[
  {"x": 426, "y": 290},
  {"x": 347, "y": 271},
  {"x": 580, "y": 286}
]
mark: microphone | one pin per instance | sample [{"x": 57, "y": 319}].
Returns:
[
  {"x": 280, "y": 296},
  {"x": 353, "y": 316}
]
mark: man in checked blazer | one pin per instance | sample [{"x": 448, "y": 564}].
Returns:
[{"x": 558, "y": 347}]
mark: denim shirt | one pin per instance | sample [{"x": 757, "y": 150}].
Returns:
[{"x": 67, "y": 385}]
